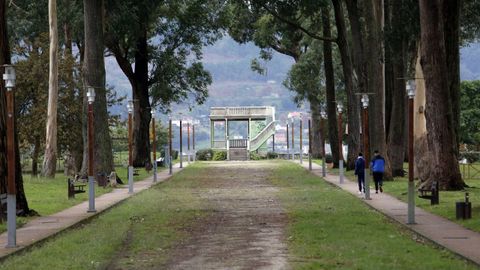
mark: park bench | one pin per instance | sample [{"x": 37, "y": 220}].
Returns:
[
  {"x": 432, "y": 193},
  {"x": 74, "y": 188}
]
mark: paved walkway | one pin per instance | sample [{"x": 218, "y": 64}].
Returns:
[
  {"x": 43, "y": 227},
  {"x": 444, "y": 232}
]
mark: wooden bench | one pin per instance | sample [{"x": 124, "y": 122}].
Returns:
[
  {"x": 432, "y": 194},
  {"x": 74, "y": 188}
]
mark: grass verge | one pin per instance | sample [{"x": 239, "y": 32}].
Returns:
[
  {"x": 446, "y": 208},
  {"x": 132, "y": 235},
  {"x": 330, "y": 229}
]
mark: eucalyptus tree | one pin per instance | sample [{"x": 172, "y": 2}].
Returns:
[
  {"x": 5, "y": 58},
  {"x": 158, "y": 46}
]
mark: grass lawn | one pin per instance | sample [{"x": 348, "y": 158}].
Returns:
[
  {"x": 143, "y": 228},
  {"x": 446, "y": 208},
  {"x": 48, "y": 196},
  {"x": 331, "y": 229}
]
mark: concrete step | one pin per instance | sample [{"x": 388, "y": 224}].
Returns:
[{"x": 238, "y": 154}]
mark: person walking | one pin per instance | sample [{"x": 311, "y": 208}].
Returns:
[
  {"x": 360, "y": 172},
  {"x": 378, "y": 168}
]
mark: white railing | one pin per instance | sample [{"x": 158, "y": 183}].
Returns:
[
  {"x": 261, "y": 111},
  {"x": 219, "y": 145},
  {"x": 262, "y": 136}
]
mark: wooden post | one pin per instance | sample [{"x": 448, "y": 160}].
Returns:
[
  {"x": 411, "y": 184},
  {"x": 193, "y": 143},
  {"x": 293, "y": 140},
  {"x": 288, "y": 144},
  {"x": 154, "y": 149},
  {"x": 301, "y": 142},
  {"x": 11, "y": 158},
  {"x": 366, "y": 149},
  {"x": 188, "y": 142}
]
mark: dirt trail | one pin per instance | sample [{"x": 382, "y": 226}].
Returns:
[{"x": 246, "y": 229}]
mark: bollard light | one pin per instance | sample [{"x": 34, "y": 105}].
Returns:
[
  {"x": 9, "y": 77},
  {"x": 90, "y": 94}
]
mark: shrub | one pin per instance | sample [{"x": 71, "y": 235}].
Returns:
[
  {"x": 220, "y": 155},
  {"x": 272, "y": 155},
  {"x": 205, "y": 154},
  {"x": 254, "y": 156}
]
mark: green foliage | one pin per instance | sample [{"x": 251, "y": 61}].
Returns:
[
  {"x": 205, "y": 154},
  {"x": 470, "y": 112},
  {"x": 219, "y": 155},
  {"x": 272, "y": 155},
  {"x": 174, "y": 33},
  {"x": 255, "y": 156}
]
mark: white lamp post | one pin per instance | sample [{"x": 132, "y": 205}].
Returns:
[
  {"x": 301, "y": 138},
  {"x": 411, "y": 189},
  {"x": 340, "y": 141},
  {"x": 130, "y": 146},
  {"x": 91, "y": 145},
  {"x": 9, "y": 77}
]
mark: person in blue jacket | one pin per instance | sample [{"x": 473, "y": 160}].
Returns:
[
  {"x": 378, "y": 168},
  {"x": 360, "y": 172}
]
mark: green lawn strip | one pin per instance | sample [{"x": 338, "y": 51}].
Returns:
[
  {"x": 446, "y": 208},
  {"x": 331, "y": 229},
  {"x": 135, "y": 234},
  {"x": 49, "y": 196}
]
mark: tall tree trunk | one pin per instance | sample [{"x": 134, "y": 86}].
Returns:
[
  {"x": 50, "y": 157},
  {"x": 438, "y": 112},
  {"x": 451, "y": 15},
  {"x": 317, "y": 146},
  {"x": 353, "y": 106},
  {"x": 94, "y": 75},
  {"x": 22, "y": 203},
  {"x": 142, "y": 115},
  {"x": 373, "y": 14},
  {"x": 395, "y": 73}
]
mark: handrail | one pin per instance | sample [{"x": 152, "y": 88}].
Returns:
[
  {"x": 263, "y": 135},
  {"x": 243, "y": 111}
]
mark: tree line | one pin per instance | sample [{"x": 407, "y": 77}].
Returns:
[{"x": 340, "y": 48}]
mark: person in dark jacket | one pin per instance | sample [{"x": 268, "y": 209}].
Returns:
[
  {"x": 360, "y": 172},
  {"x": 378, "y": 168}
]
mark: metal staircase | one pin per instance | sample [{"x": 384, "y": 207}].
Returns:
[{"x": 238, "y": 149}]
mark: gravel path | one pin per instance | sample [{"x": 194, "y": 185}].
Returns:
[{"x": 246, "y": 229}]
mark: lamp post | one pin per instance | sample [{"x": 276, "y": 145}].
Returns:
[
  {"x": 366, "y": 145},
  {"x": 91, "y": 145},
  {"x": 154, "y": 147},
  {"x": 9, "y": 77},
  {"x": 170, "y": 165},
  {"x": 188, "y": 142},
  {"x": 309, "y": 145},
  {"x": 323, "y": 116},
  {"x": 181, "y": 143},
  {"x": 193, "y": 143},
  {"x": 288, "y": 144},
  {"x": 340, "y": 140},
  {"x": 130, "y": 138},
  {"x": 293, "y": 139},
  {"x": 411, "y": 192},
  {"x": 301, "y": 137}
]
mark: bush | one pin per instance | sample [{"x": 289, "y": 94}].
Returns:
[
  {"x": 220, "y": 155},
  {"x": 272, "y": 155},
  {"x": 254, "y": 156},
  {"x": 205, "y": 154}
]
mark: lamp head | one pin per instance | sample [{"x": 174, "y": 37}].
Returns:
[
  {"x": 410, "y": 89},
  {"x": 130, "y": 106},
  {"x": 9, "y": 77},
  {"x": 365, "y": 101},
  {"x": 90, "y": 94},
  {"x": 339, "y": 107},
  {"x": 153, "y": 113}
]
